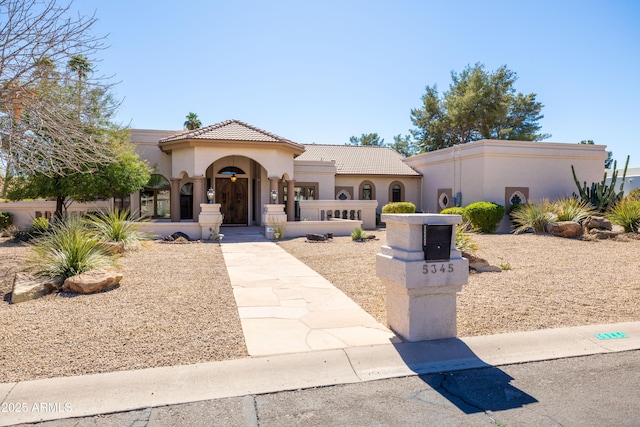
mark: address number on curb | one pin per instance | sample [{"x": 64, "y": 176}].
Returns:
[{"x": 437, "y": 268}]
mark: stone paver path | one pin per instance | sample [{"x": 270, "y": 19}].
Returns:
[{"x": 286, "y": 307}]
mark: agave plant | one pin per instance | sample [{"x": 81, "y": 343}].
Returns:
[
  {"x": 535, "y": 217},
  {"x": 69, "y": 248},
  {"x": 464, "y": 240}
]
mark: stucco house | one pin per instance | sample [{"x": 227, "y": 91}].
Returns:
[{"x": 235, "y": 174}]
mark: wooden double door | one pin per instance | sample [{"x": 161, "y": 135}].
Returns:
[{"x": 234, "y": 200}]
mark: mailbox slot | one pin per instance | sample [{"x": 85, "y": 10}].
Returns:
[{"x": 436, "y": 242}]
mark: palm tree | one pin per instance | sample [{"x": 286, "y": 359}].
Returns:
[
  {"x": 193, "y": 122},
  {"x": 81, "y": 65}
]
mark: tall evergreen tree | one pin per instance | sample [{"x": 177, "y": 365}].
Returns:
[{"x": 478, "y": 105}]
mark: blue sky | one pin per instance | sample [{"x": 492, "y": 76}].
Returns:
[{"x": 321, "y": 71}]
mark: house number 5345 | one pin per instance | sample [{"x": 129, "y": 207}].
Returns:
[{"x": 437, "y": 268}]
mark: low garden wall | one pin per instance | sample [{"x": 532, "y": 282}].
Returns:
[
  {"x": 327, "y": 210},
  {"x": 25, "y": 212},
  {"x": 338, "y": 227}
]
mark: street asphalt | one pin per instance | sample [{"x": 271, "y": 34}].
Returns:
[{"x": 583, "y": 376}]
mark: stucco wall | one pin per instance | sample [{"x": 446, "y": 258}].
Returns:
[
  {"x": 482, "y": 169},
  {"x": 146, "y": 145},
  {"x": 382, "y": 185},
  {"x": 324, "y": 173}
]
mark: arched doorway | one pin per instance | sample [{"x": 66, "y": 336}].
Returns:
[{"x": 232, "y": 194}]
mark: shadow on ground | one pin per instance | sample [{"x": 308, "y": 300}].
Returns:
[{"x": 452, "y": 369}]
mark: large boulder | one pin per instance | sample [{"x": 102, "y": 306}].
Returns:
[
  {"x": 568, "y": 229},
  {"x": 595, "y": 221},
  {"x": 26, "y": 287},
  {"x": 92, "y": 281}
]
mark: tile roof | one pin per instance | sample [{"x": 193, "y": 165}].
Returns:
[
  {"x": 230, "y": 130},
  {"x": 359, "y": 160}
]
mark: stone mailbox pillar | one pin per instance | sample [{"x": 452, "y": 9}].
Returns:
[{"x": 422, "y": 271}]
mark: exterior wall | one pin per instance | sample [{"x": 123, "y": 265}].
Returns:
[
  {"x": 146, "y": 145},
  {"x": 382, "y": 184},
  {"x": 631, "y": 181},
  {"x": 481, "y": 170},
  {"x": 324, "y": 173},
  {"x": 323, "y": 210}
]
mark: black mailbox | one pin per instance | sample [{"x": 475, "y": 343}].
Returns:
[{"x": 436, "y": 242}]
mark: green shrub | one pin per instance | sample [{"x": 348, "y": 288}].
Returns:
[
  {"x": 533, "y": 217},
  {"x": 453, "y": 211},
  {"x": 6, "y": 220},
  {"x": 399, "y": 207},
  {"x": 40, "y": 225},
  {"x": 115, "y": 226},
  {"x": 626, "y": 213},
  {"x": 358, "y": 235},
  {"x": 484, "y": 216},
  {"x": 69, "y": 248},
  {"x": 571, "y": 209}
]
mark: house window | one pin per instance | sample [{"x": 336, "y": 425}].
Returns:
[
  {"x": 155, "y": 198},
  {"x": 396, "y": 192},
  {"x": 367, "y": 191},
  {"x": 186, "y": 201}
]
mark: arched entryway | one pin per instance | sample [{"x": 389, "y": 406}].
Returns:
[{"x": 232, "y": 194}]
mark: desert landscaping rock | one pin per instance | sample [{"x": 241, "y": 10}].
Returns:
[
  {"x": 602, "y": 234},
  {"x": 568, "y": 229},
  {"x": 594, "y": 221},
  {"x": 92, "y": 281},
  {"x": 26, "y": 287},
  {"x": 480, "y": 265}
]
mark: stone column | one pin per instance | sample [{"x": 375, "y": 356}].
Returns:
[
  {"x": 291, "y": 200},
  {"x": 421, "y": 288},
  {"x": 275, "y": 221},
  {"x": 175, "y": 199},
  {"x": 210, "y": 220},
  {"x": 198, "y": 195}
]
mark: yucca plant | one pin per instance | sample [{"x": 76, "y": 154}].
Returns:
[
  {"x": 464, "y": 240},
  {"x": 626, "y": 214},
  {"x": 571, "y": 209},
  {"x": 115, "y": 226},
  {"x": 358, "y": 235},
  {"x": 69, "y": 248},
  {"x": 535, "y": 217}
]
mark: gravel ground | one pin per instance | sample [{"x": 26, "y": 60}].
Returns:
[
  {"x": 175, "y": 305},
  {"x": 547, "y": 282}
]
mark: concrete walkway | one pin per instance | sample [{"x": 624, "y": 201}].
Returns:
[{"x": 286, "y": 307}]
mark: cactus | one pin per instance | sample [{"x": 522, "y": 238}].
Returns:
[{"x": 600, "y": 195}]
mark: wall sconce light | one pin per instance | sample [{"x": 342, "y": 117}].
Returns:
[
  {"x": 233, "y": 178},
  {"x": 274, "y": 196},
  {"x": 211, "y": 194}
]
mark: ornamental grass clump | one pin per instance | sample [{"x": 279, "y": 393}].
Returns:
[
  {"x": 464, "y": 240},
  {"x": 571, "y": 209},
  {"x": 115, "y": 226},
  {"x": 533, "y": 217},
  {"x": 67, "y": 249},
  {"x": 626, "y": 214}
]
